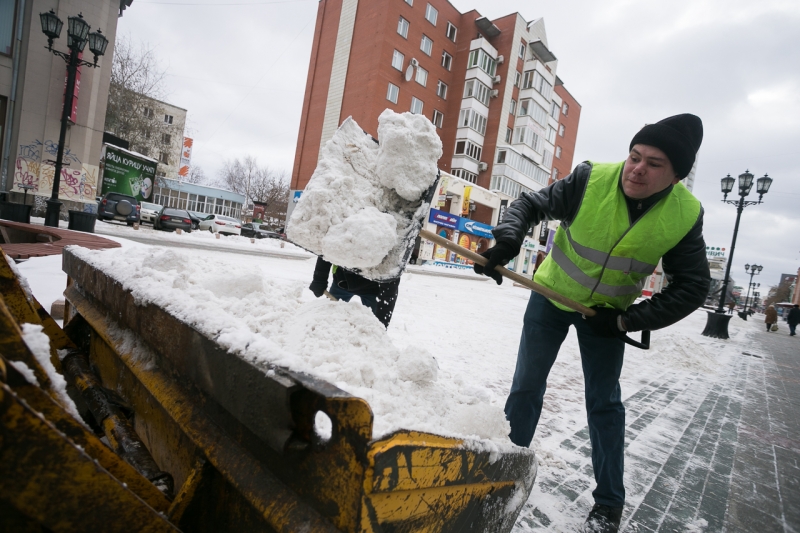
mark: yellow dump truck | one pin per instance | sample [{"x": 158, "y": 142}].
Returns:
[{"x": 178, "y": 434}]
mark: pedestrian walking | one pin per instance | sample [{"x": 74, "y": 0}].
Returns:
[
  {"x": 771, "y": 317},
  {"x": 793, "y": 319},
  {"x": 617, "y": 221},
  {"x": 379, "y": 296},
  {"x": 731, "y": 307}
]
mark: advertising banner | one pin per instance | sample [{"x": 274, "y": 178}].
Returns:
[
  {"x": 465, "y": 201},
  {"x": 475, "y": 228},
  {"x": 186, "y": 157},
  {"x": 442, "y": 194},
  {"x": 128, "y": 173},
  {"x": 502, "y": 214}
]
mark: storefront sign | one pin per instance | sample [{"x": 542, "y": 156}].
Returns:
[
  {"x": 446, "y": 220},
  {"x": 476, "y": 228},
  {"x": 712, "y": 252},
  {"x": 126, "y": 173},
  {"x": 186, "y": 157},
  {"x": 442, "y": 194},
  {"x": 502, "y": 212}
]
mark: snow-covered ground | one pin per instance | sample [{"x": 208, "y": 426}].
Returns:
[{"x": 444, "y": 365}]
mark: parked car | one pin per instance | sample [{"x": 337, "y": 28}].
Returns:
[
  {"x": 170, "y": 219},
  {"x": 149, "y": 212},
  {"x": 259, "y": 231},
  {"x": 221, "y": 224},
  {"x": 117, "y": 206},
  {"x": 196, "y": 218}
]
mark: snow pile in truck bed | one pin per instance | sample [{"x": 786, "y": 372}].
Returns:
[
  {"x": 363, "y": 205},
  {"x": 270, "y": 322}
]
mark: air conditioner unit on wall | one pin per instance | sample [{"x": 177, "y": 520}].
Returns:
[
  {"x": 500, "y": 59},
  {"x": 496, "y": 79},
  {"x": 494, "y": 93},
  {"x": 482, "y": 166},
  {"x": 414, "y": 62}
]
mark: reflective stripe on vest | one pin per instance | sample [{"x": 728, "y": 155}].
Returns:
[{"x": 600, "y": 258}]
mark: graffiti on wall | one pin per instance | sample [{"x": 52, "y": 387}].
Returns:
[{"x": 78, "y": 182}]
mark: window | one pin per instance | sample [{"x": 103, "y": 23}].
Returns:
[
  {"x": 451, "y": 32},
  {"x": 524, "y": 165},
  {"x": 479, "y": 58},
  {"x": 522, "y": 50},
  {"x": 469, "y": 149},
  {"x": 538, "y": 113},
  {"x": 501, "y": 156},
  {"x": 397, "y": 60},
  {"x": 561, "y": 130},
  {"x": 469, "y": 118},
  {"x": 145, "y": 151},
  {"x": 416, "y": 106},
  {"x": 441, "y": 90},
  {"x": 438, "y": 118},
  {"x": 524, "y": 107},
  {"x": 410, "y": 2},
  {"x": 526, "y": 135},
  {"x": 475, "y": 89},
  {"x": 402, "y": 27},
  {"x": 422, "y": 76},
  {"x": 431, "y": 14},
  {"x": 168, "y": 119},
  {"x": 6, "y": 26},
  {"x": 392, "y": 93},
  {"x": 565, "y": 109},
  {"x": 551, "y": 134},
  {"x": 164, "y": 158},
  {"x": 547, "y": 159},
  {"x": 166, "y": 138},
  {"x": 147, "y": 134},
  {"x": 555, "y": 174},
  {"x": 426, "y": 45},
  {"x": 558, "y": 152},
  {"x": 554, "y": 110},
  {"x": 465, "y": 175},
  {"x": 513, "y": 108},
  {"x": 517, "y": 77},
  {"x": 447, "y": 60},
  {"x": 509, "y": 133},
  {"x": 148, "y": 112}
]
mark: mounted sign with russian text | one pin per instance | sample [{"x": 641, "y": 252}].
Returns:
[{"x": 128, "y": 173}]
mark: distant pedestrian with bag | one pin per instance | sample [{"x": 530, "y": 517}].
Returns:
[
  {"x": 771, "y": 317},
  {"x": 793, "y": 319}
]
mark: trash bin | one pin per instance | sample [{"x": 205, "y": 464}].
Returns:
[
  {"x": 16, "y": 212},
  {"x": 81, "y": 221}
]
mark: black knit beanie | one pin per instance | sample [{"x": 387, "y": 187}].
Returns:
[{"x": 679, "y": 137}]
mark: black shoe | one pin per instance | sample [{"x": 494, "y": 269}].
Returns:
[{"x": 603, "y": 519}]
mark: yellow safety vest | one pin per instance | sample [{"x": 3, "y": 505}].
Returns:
[{"x": 600, "y": 259}]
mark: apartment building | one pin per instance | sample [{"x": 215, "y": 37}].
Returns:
[
  {"x": 168, "y": 144},
  {"x": 567, "y": 135},
  {"x": 487, "y": 85}
]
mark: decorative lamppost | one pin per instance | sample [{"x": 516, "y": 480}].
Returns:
[
  {"x": 752, "y": 270},
  {"x": 77, "y": 37},
  {"x": 717, "y": 323}
]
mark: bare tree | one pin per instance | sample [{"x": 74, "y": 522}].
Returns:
[
  {"x": 134, "y": 111},
  {"x": 196, "y": 175},
  {"x": 778, "y": 293},
  {"x": 259, "y": 184}
]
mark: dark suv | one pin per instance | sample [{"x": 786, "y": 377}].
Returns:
[{"x": 116, "y": 206}]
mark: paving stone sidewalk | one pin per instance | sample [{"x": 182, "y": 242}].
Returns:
[{"x": 735, "y": 467}]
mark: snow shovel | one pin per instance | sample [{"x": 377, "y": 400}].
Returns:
[{"x": 527, "y": 282}]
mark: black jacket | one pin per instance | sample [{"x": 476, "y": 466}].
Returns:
[
  {"x": 793, "y": 317},
  {"x": 685, "y": 265}
]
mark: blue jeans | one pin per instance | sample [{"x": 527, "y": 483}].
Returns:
[
  {"x": 544, "y": 329},
  {"x": 369, "y": 300}
]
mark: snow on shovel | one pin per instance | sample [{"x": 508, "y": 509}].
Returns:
[{"x": 366, "y": 202}]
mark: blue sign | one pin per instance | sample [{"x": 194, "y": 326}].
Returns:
[
  {"x": 441, "y": 218},
  {"x": 449, "y": 220},
  {"x": 296, "y": 196},
  {"x": 475, "y": 228}
]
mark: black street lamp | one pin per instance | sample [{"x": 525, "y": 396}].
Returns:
[
  {"x": 752, "y": 270},
  {"x": 717, "y": 323},
  {"x": 77, "y": 37}
]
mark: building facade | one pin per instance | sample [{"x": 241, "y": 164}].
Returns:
[
  {"x": 32, "y": 84},
  {"x": 488, "y": 86},
  {"x": 199, "y": 199},
  {"x": 168, "y": 145},
  {"x": 567, "y": 134}
]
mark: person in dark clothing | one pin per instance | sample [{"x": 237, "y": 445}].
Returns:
[
  {"x": 617, "y": 221},
  {"x": 380, "y": 296},
  {"x": 793, "y": 318}
]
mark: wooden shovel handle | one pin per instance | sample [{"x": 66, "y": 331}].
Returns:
[{"x": 522, "y": 280}]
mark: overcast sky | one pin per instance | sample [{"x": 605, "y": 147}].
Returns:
[{"x": 239, "y": 68}]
